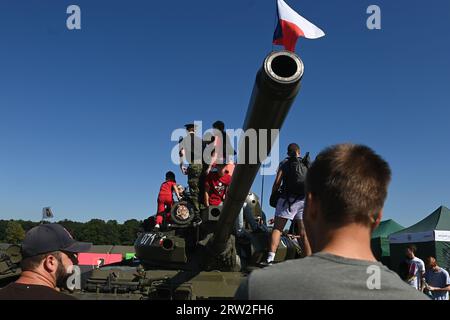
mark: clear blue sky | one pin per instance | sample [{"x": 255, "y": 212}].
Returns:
[{"x": 86, "y": 116}]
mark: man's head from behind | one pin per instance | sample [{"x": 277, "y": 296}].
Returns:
[
  {"x": 346, "y": 185},
  {"x": 293, "y": 150},
  {"x": 49, "y": 252},
  {"x": 219, "y": 125},
  {"x": 190, "y": 127}
]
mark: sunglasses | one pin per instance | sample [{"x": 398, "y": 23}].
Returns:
[{"x": 72, "y": 256}]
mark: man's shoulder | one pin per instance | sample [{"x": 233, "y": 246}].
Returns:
[
  {"x": 443, "y": 271},
  {"x": 417, "y": 259},
  {"x": 19, "y": 291},
  {"x": 347, "y": 279},
  {"x": 282, "y": 165},
  {"x": 283, "y": 269}
]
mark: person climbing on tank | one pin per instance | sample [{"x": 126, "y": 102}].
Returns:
[
  {"x": 223, "y": 153},
  {"x": 165, "y": 197}
]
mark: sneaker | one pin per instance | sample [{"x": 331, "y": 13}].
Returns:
[{"x": 266, "y": 263}]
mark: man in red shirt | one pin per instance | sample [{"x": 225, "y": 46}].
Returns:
[{"x": 216, "y": 186}]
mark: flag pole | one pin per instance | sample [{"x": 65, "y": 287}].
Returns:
[
  {"x": 262, "y": 187},
  {"x": 276, "y": 22}
]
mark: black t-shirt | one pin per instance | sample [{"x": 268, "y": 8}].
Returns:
[
  {"x": 193, "y": 146},
  {"x": 19, "y": 291}
]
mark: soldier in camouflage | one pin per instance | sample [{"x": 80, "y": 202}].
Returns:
[{"x": 191, "y": 150}]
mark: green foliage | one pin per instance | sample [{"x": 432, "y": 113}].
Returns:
[
  {"x": 14, "y": 232},
  {"x": 3, "y": 224},
  {"x": 95, "y": 231},
  {"x": 128, "y": 231}
]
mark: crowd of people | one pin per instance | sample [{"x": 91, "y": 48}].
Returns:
[
  {"x": 426, "y": 277},
  {"x": 344, "y": 193},
  {"x": 208, "y": 178},
  {"x": 334, "y": 203}
]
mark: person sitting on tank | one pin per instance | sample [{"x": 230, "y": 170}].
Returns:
[
  {"x": 165, "y": 198},
  {"x": 253, "y": 215},
  {"x": 216, "y": 187}
]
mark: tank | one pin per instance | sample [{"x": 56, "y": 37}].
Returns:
[
  {"x": 10, "y": 258},
  {"x": 191, "y": 261}
]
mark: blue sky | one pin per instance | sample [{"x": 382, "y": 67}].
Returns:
[{"x": 86, "y": 116}]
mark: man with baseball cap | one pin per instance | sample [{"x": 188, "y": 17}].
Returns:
[{"x": 48, "y": 252}]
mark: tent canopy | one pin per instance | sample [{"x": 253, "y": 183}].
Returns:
[
  {"x": 435, "y": 227},
  {"x": 431, "y": 236},
  {"x": 386, "y": 228},
  {"x": 380, "y": 243}
]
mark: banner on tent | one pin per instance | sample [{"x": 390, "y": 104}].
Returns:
[
  {"x": 442, "y": 235},
  {"x": 436, "y": 235},
  {"x": 412, "y": 237}
]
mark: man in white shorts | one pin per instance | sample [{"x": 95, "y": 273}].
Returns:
[{"x": 291, "y": 176}]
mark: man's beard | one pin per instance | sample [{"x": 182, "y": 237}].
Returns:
[{"x": 61, "y": 276}]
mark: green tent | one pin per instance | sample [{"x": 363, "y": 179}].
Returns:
[
  {"x": 380, "y": 242},
  {"x": 431, "y": 236}
]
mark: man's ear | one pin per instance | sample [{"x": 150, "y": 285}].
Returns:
[
  {"x": 50, "y": 263},
  {"x": 311, "y": 207}
]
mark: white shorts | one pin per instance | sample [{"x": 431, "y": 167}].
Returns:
[{"x": 296, "y": 212}]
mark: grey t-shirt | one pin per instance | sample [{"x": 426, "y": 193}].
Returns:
[
  {"x": 439, "y": 279},
  {"x": 325, "y": 276}
]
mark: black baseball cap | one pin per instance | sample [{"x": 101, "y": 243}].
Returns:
[
  {"x": 50, "y": 237},
  {"x": 190, "y": 126}
]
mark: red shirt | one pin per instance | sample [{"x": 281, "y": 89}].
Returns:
[
  {"x": 217, "y": 187},
  {"x": 166, "y": 188}
]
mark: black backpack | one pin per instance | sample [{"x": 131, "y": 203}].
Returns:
[{"x": 294, "y": 176}]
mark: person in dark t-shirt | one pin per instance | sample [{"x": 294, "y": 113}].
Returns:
[{"x": 48, "y": 253}]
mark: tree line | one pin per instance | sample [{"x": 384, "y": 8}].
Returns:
[{"x": 96, "y": 231}]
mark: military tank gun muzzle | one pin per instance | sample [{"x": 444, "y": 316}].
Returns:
[
  {"x": 276, "y": 87},
  {"x": 167, "y": 244}
]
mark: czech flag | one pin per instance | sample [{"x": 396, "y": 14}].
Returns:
[{"x": 291, "y": 26}]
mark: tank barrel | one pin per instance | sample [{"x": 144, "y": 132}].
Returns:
[{"x": 276, "y": 86}]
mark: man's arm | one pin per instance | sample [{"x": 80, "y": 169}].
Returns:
[
  {"x": 435, "y": 289},
  {"x": 447, "y": 288},
  {"x": 422, "y": 282},
  {"x": 422, "y": 276},
  {"x": 181, "y": 154},
  {"x": 206, "y": 197},
  {"x": 277, "y": 182},
  {"x": 213, "y": 156},
  {"x": 175, "y": 189}
]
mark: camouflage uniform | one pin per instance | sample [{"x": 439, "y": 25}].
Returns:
[
  {"x": 195, "y": 174},
  {"x": 195, "y": 171}
]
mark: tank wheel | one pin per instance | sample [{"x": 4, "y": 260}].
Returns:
[{"x": 182, "y": 213}]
